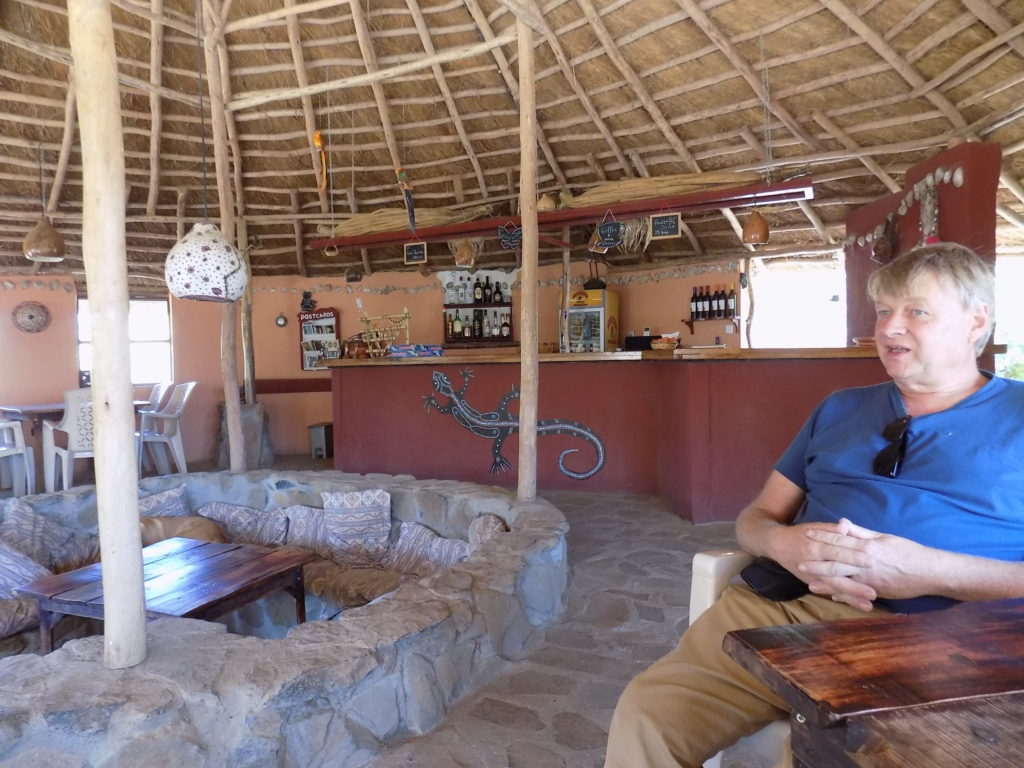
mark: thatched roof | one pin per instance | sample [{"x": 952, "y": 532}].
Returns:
[{"x": 848, "y": 92}]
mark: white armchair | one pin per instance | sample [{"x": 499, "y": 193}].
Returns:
[
  {"x": 712, "y": 572},
  {"x": 17, "y": 461},
  {"x": 164, "y": 426},
  {"x": 77, "y": 425}
]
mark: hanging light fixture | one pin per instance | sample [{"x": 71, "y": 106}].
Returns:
[
  {"x": 204, "y": 265},
  {"x": 43, "y": 242},
  {"x": 755, "y": 230}
]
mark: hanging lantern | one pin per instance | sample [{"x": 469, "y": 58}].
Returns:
[
  {"x": 206, "y": 267},
  {"x": 755, "y": 231},
  {"x": 43, "y": 242}
]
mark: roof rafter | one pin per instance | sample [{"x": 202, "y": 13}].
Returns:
[{"x": 308, "y": 115}]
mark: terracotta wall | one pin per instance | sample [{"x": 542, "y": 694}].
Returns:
[{"x": 40, "y": 367}]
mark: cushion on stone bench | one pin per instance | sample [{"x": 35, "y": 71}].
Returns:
[
  {"x": 45, "y": 540},
  {"x": 420, "y": 552},
  {"x": 17, "y": 613},
  {"x": 348, "y": 587},
  {"x": 154, "y": 529},
  {"x": 169, "y": 503},
  {"x": 352, "y": 531},
  {"x": 248, "y": 525}
]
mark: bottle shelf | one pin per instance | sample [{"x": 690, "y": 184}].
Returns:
[
  {"x": 480, "y": 343},
  {"x": 690, "y": 323},
  {"x": 491, "y": 305}
]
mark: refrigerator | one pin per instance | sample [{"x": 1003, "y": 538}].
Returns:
[{"x": 591, "y": 322}]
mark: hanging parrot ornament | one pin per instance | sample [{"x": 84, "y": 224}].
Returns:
[
  {"x": 403, "y": 183},
  {"x": 318, "y": 142}
]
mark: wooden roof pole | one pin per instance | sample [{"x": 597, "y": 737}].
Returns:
[
  {"x": 529, "y": 368},
  {"x": 156, "y": 58},
  {"x": 103, "y": 247},
  {"x": 228, "y": 334},
  {"x": 308, "y": 114}
]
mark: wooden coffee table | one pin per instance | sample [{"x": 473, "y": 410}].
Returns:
[{"x": 182, "y": 577}]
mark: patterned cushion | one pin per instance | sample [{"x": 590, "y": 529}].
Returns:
[
  {"x": 306, "y": 528},
  {"x": 76, "y": 553},
  {"x": 483, "y": 527},
  {"x": 18, "y": 615},
  {"x": 248, "y": 525},
  {"x": 35, "y": 535},
  {"x": 169, "y": 503},
  {"x": 17, "y": 569},
  {"x": 348, "y": 587},
  {"x": 357, "y": 524},
  {"x": 421, "y": 552}
]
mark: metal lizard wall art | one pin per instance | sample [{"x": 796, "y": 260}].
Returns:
[{"x": 499, "y": 424}]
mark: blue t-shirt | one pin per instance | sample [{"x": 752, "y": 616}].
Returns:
[{"x": 961, "y": 485}]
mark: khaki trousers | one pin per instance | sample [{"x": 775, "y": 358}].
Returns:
[{"x": 696, "y": 701}]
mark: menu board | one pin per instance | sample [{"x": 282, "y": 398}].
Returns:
[{"x": 665, "y": 225}]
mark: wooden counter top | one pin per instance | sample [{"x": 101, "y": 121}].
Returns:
[{"x": 680, "y": 355}]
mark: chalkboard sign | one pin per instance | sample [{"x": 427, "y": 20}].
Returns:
[
  {"x": 510, "y": 236},
  {"x": 415, "y": 253},
  {"x": 609, "y": 234},
  {"x": 664, "y": 226}
]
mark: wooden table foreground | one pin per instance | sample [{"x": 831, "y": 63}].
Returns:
[{"x": 940, "y": 689}]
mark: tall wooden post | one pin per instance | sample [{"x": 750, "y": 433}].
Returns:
[
  {"x": 106, "y": 276},
  {"x": 529, "y": 369},
  {"x": 563, "y": 309},
  {"x": 228, "y": 318},
  {"x": 248, "y": 353}
]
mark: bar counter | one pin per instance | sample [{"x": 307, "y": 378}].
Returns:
[{"x": 702, "y": 430}]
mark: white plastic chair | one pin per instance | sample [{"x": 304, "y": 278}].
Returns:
[
  {"x": 151, "y": 393},
  {"x": 17, "y": 461},
  {"x": 164, "y": 426},
  {"x": 712, "y": 572},
  {"x": 77, "y": 424}
]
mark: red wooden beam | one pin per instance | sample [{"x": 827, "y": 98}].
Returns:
[{"x": 728, "y": 197}]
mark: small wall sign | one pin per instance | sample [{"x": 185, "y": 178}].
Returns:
[
  {"x": 510, "y": 236},
  {"x": 610, "y": 233},
  {"x": 664, "y": 226},
  {"x": 415, "y": 253}
]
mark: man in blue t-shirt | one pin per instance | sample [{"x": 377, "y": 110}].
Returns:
[{"x": 905, "y": 496}]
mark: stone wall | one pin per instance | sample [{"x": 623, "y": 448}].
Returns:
[{"x": 330, "y": 693}]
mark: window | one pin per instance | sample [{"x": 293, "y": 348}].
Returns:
[
  {"x": 1010, "y": 316},
  {"x": 149, "y": 335},
  {"x": 799, "y": 303}
]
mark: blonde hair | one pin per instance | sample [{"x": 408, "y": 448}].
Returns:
[{"x": 972, "y": 279}]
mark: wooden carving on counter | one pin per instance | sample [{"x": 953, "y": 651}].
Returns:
[{"x": 499, "y": 424}]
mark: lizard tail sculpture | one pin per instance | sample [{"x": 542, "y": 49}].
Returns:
[{"x": 499, "y": 424}]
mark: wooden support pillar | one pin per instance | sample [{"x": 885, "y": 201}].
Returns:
[
  {"x": 529, "y": 369},
  {"x": 563, "y": 314},
  {"x": 222, "y": 164},
  {"x": 248, "y": 353},
  {"x": 106, "y": 276}
]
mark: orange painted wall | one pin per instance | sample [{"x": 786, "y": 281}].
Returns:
[{"x": 40, "y": 367}]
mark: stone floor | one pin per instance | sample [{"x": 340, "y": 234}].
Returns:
[{"x": 627, "y": 605}]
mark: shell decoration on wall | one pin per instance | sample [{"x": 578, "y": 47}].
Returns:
[{"x": 205, "y": 267}]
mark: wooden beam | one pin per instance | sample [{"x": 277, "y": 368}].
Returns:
[
  {"x": 156, "y": 58},
  {"x": 528, "y": 348},
  {"x": 847, "y": 141},
  {"x": 67, "y": 143},
  {"x": 373, "y": 77},
  {"x": 308, "y": 115},
  {"x": 91, "y": 32},
  {"x": 289, "y": 12},
  {"x": 526, "y": 12},
  {"x": 300, "y": 249}
]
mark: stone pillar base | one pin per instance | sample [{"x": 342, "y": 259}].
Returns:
[{"x": 259, "y": 453}]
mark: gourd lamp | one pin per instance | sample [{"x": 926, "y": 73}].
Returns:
[
  {"x": 755, "y": 230},
  {"x": 43, "y": 242},
  {"x": 206, "y": 267}
]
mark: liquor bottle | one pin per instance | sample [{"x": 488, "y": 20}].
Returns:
[
  {"x": 495, "y": 326},
  {"x": 694, "y": 307},
  {"x": 487, "y": 326},
  {"x": 499, "y": 297},
  {"x": 488, "y": 290},
  {"x": 449, "y": 324},
  {"x": 457, "y": 326},
  {"x": 506, "y": 329},
  {"x": 460, "y": 292},
  {"x": 478, "y": 323},
  {"x": 730, "y": 301},
  {"x": 478, "y": 292}
]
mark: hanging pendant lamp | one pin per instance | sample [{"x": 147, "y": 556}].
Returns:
[
  {"x": 204, "y": 265},
  {"x": 43, "y": 243},
  {"x": 755, "y": 230}
]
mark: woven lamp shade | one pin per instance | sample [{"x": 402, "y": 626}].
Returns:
[
  {"x": 205, "y": 267},
  {"x": 43, "y": 242}
]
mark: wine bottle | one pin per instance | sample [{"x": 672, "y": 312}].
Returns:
[
  {"x": 488, "y": 290},
  {"x": 499, "y": 297},
  {"x": 694, "y": 307},
  {"x": 719, "y": 301},
  {"x": 705, "y": 303},
  {"x": 457, "y": 325},
  {"x": 730, "y": 301},
  {"x": 478, "y": 292}
]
